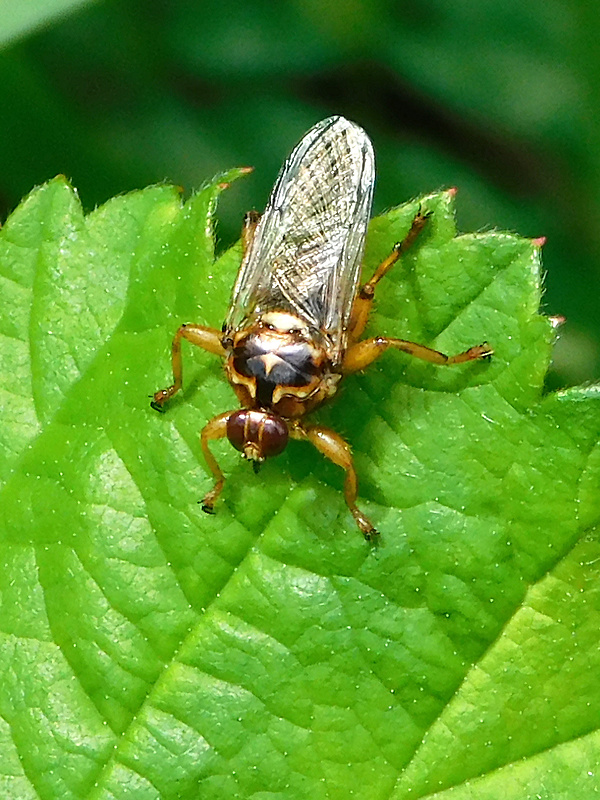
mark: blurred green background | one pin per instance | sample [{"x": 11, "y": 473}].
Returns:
[{"x": 497, "y": 97}]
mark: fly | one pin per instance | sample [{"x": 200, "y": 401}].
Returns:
[{"x": 297, "y": 313}]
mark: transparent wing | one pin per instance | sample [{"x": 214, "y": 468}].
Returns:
[{"x": 307, "y": 248}]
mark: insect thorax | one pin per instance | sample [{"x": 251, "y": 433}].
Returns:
[{"x": 275, "y": 361}]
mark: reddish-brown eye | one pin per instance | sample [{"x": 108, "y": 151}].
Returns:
[
  {"x": 236, "y": 426},
  {"x": 274, "y": 436},
  {"x": 257, "y": 434}
]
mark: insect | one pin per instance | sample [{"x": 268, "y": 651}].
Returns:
[{"x": 296, "y": 314}]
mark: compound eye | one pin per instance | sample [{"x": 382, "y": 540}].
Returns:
[
  {"x": 236, "y": 429},
  {"x": 257, "y": 434},
  {"x": 274, "y": 436}
]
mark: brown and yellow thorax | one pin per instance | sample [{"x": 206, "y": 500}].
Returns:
[{"x": 277, "y": 362}]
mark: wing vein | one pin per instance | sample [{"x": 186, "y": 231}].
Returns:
[{"x": 307, "y": 249}]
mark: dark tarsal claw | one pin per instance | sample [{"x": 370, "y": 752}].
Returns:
[
  {"x": 372, "y": 536},
  {"x": 208, "y": 509},
  {"x": 486, "y": 356}
]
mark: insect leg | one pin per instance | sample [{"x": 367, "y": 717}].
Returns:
[
  {"x": 333, "y": 447},
  {"x": 215, "y": 429},
  {"x": 361, "y": 354},
  {"x": 251, "y": 220},
  {"x": 207, "y": 338},
  {"x": 364, "y": 299}
]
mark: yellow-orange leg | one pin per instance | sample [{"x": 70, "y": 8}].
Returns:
[
  {"x": 251, "y": 220},
  {"x": 215, "y": 429},
  {"x": 364, "y": 299},
  {"x": 206, "y": 338},
  {"x": 333, "y": 447},
  {"x": 361, "y": 354}
]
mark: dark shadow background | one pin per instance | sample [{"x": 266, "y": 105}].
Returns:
[{"x": 499, "y": 98}]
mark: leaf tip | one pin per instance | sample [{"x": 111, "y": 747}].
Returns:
[
  {"x": 556, "y": 320},
  {"x": 225, "y": 180},
  {"x": 62, "y": 179}
]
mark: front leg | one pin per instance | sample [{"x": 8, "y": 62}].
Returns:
[
  {"x": 206, "y": 338},
  {"x": 361, "y": 354},
  {"x": 215, "y": 429},
  {"x": 333, "y": 447}
]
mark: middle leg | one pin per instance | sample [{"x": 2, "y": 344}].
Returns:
[
  {"x": 207, "y": 338},
  {"x": 360, "y": 355}
]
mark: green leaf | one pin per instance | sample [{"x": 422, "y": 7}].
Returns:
[
  {"x": 150, "y": 651},
  {"x": 22, "y": 18}
]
